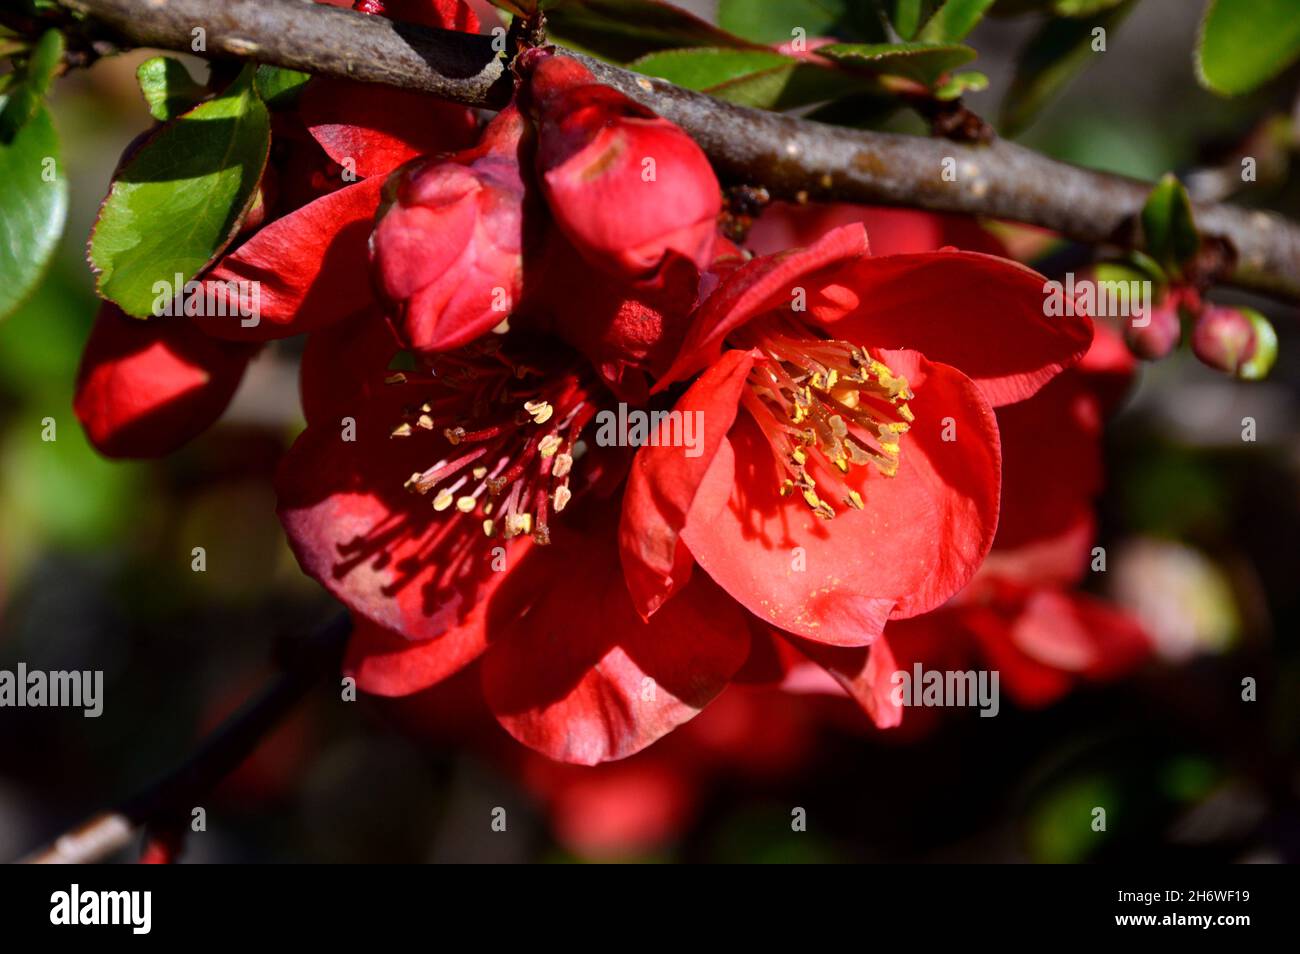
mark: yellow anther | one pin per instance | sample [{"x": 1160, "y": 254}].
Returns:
[
  {"x": 563, "y": 464},
  {"x": 488, "y": 526},
  {"x": 443, "y": 499},
  {"x": 465, "y": 504},
  {"x": 549, "y": 444},
  {"x": 401, "y": 430},
  {"x": 479, "y": 473},
  {"x": 539, "y": 411},
  {"x": 562, "y": 496},
  {"x": 425, "y": 421},
  {"x": 854, "y": 500}
]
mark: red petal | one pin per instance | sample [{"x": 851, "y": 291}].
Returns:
[
  {"x": 1043, "y": 643},
  {"x": 372, "y": 130},
  {"x": 385, "y": 663},
  {"x": 380, "y": 549},
  {"x": 343, "y": 365},
  {"x": 980, "y": 313},
  {"x": 312, "y": 265},
  {"x": 891, "y": 231},
  {"x": 919, "y": 540},
  {"x": 764, "y": 284},
  {"x": 147, "y": 387},
  {"x": 662, "y": 486},
  {"x": 578, "y": 676},
  {"x": 865, "y": 672}
]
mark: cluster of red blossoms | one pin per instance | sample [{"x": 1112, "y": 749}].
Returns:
[{"x": 897, "y": 454}]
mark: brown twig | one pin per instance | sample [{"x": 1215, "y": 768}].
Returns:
[
  {"x": 172, "y": 798},
  {"x": 792, "y": 158}
]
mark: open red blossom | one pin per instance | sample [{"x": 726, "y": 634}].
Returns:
[
  {"x": 429, "y": 517},
  {"x": 448, "y": 249},
  {"x": 833, "y": 390},
  {"x": 627, "y": 188},
  {"x": 147, "y": 387}
]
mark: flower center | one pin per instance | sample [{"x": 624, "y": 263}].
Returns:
[
  {"x": 825, "y": 406},
  {"x": 508, "y": 433}
]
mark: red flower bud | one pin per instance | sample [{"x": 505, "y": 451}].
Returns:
[
  {"x": 1239, "y": 341},
  {"x": 448, "y": 250},
  {"x": 1157, "y": 337},
  {"x": 624, "y": 185}
]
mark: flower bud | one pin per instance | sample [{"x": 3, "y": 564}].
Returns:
[
  {"x": 1158, "y": 337},
  {"x": 1239, "y": 341},
  {"x": 447, "y": 253},
  {"x": 625, "y": 186}
]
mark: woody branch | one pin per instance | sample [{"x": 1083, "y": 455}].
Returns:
[{"x": 792, "y": 158}]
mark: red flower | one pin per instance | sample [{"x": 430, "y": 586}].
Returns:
[
  {"x": 427, "y": 526},
  {"x": 448, "y": 249},
  {"x": 626, "y": 187},
  {"x": 853, "y": 403},
  {"x": 443, "y": 567},
  {"x": 147, "y": 386}
]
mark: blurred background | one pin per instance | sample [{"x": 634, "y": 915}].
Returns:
[{"x": 1202, "y": 532}]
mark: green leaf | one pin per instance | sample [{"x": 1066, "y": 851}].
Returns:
[
  {"x": 1050, "y": 60},
  {"x": 906, "y": 17},
  {"x": 279, "y": 87},
  {"x": 758, "y": 78},
  {"x": 38, "y": 72},
  {"x": 33, "y": 205},
  {"x": 623, "y": 30},
  {"x": 1245, "y": 42},
  {"x": 923, "y": 62},
  {"x": 954, "y": 20},
  {"x": 1167, "y": 224},
  {"x": 179, "y": 200},
  {"x": 776, "y": 21},
  {"x": 1083, "y": 8},
  {"x": 168, "y": 88}
]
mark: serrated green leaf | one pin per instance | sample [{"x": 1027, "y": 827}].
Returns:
[
  {"x": 953, "y": 21},
  {"x": 28, "y": 93},
  {"x": 1245, "y": 42},
  {"x": 923, "y": 62},
  {"x": 760, "y": 78},
  {"x": 623, "y": 30},
  {"x": 168, "y": 88},
  {"x": 178, "y": 202},
  {"x": 33, "y": 206},
  {"x": 279, "y": 87},
  {"x": 1051, "y": 58},
  {"x": 1167, "y": 224}
]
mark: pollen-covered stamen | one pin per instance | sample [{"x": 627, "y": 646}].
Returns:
[
  {"x": 510, "y": 430},
  {"x": 825, "y": 406}
]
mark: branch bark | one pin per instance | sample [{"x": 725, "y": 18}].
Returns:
[
  {"x": 169, "y": 802},
  {"x": 792, "y": 158}
]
